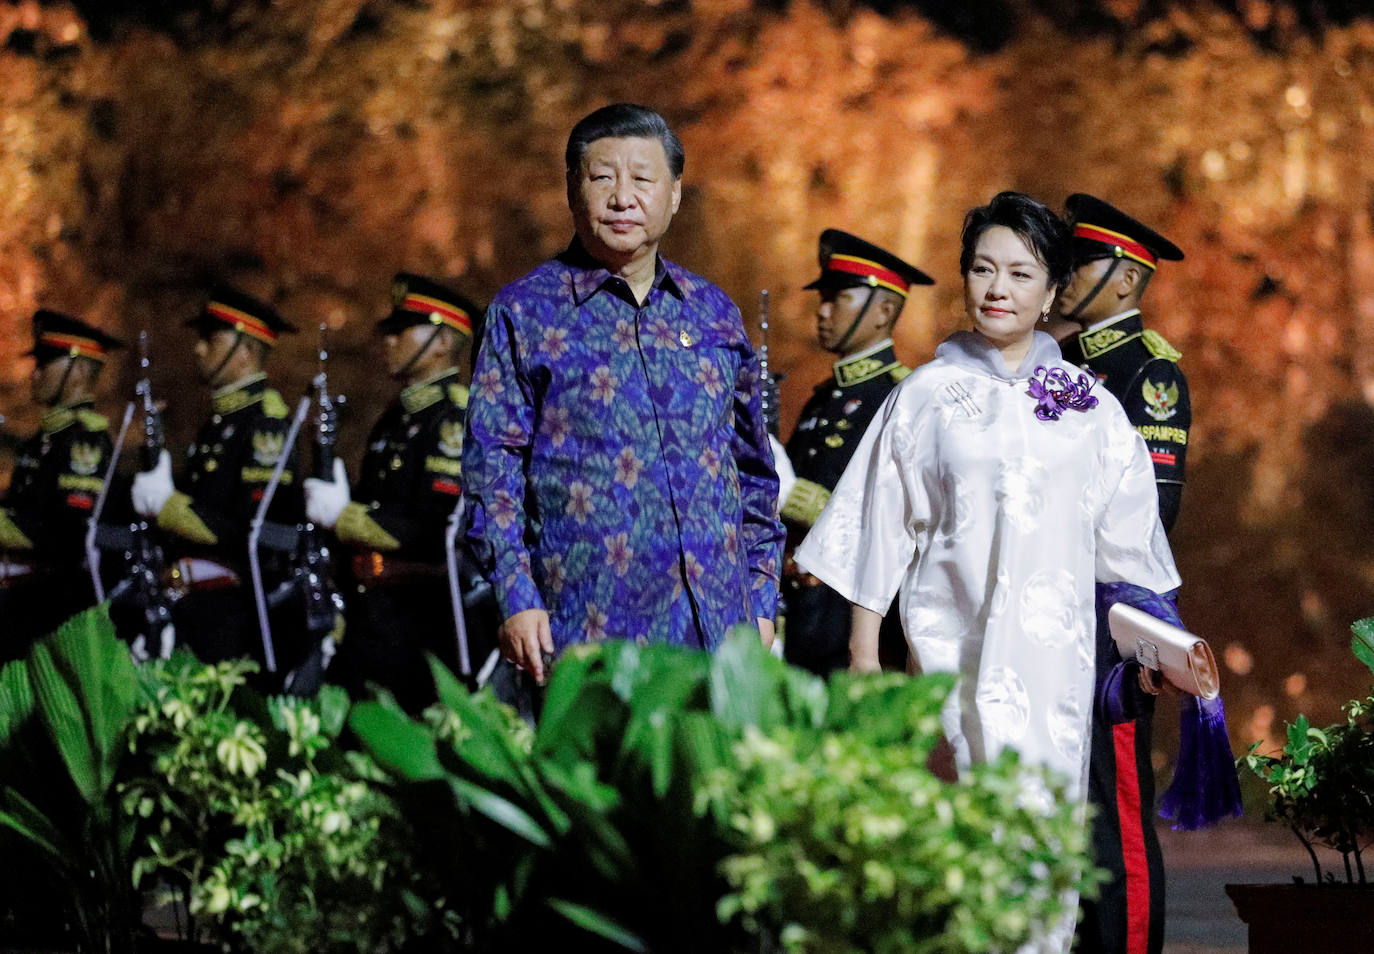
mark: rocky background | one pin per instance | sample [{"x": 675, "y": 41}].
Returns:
[{"x": 307, "y": 149}]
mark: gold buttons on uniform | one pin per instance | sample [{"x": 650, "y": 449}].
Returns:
[
  {"x": 211, "y": 464},
  {"x": 834, "y": 440},
  {"x": 395, "y": 463}
]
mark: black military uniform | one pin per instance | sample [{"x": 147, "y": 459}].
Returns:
[
  {"x": 827, "y": 432},
  {"x": 58, "y": 475},
  {"x": 399, "y": 603},
  {"x": 228, "y": 468},
  {"x": 1140, "y": 369}
]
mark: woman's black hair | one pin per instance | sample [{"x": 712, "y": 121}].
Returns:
[
  {"x": 623, "y": 121},
  {"x": 1043, "y": 231}
]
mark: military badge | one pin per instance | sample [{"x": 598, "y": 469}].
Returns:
[
  {"x": 451, "y": 438},
  {"x": 399, "y": 290},
  {"x": 85, "y": 459},
  {"x": 267, "y": 447},
  {"x": 1161, "y": 402},
  {"x": 851, "y": 406}
]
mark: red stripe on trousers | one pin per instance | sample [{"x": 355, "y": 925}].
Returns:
[{"x": 1132, "y": 841}]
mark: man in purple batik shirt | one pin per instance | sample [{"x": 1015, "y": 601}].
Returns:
[{"x": 618, "y": 474}]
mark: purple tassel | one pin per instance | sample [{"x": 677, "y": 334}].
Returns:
[{"x": 1205, "y": 788}]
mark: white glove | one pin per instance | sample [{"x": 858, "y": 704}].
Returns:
[
  {"x": 326, "y": 499},
  {"x": 786, "y": 475},
  {"x": 153, "y": 488}
]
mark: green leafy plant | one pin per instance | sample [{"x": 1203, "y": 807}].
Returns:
[
  {"x": 678, "y": 801},
  {"x": 278, "y": 836},
  {"x": 1322, "y": 781},
  {"x": 65, "y": 717}
]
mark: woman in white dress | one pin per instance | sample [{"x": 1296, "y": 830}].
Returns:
[{"x": 992, "y": 490}]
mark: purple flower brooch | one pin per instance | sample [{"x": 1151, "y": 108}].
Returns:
[{"x": 1056, "y": 392}]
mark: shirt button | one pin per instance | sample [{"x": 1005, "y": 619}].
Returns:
[
  {"x": 216, "y": 419},
  {"x": 837, "y": 393}
]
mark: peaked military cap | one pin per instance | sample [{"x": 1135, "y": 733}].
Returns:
[
  {"x": 236, "y": 311},
  {"x": 416, "y": 300},
  {"x": 56, "y": 335},
  {"x": 848, "y": 261},
  {"x": 1103, "y": 231}
]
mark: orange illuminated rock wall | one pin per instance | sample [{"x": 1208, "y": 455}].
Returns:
[{"x": 307, "y": 150}]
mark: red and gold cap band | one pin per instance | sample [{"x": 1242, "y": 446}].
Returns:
[
  {"x": 241, "y": 321},
  {"x": 1128, "y": 246},
  {"x": 441, "y": 312},
  {"x": 74, "y": 345},
  {"x": 875, "y": 273}
]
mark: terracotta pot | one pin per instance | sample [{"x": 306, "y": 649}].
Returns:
[{"x": 1290, "y": 918}]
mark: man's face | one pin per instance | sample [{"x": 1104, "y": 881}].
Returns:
[
  {"x": 836, "y": 312},
  {"x": 1082, "y": 280},
  {"x": 622, "y": 198},
  {"x": 211, "y": 350},
  {"x": 403, "y": 350},
  {"x": 46, "y": 380}
]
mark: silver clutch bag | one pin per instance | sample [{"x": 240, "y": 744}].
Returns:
[{"x": 1184, "y": 659}]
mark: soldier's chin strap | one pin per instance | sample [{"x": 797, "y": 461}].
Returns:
[
  {"x": 844, "y": 341},
  {"x": 1096, "y": 290},
  {"x": 57, "y": 400},
  {"x": 404, "y": 369},
  {"x": 238, "y": 341}
]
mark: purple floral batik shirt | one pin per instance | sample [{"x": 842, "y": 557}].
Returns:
[{"x": 616, "y": 466}]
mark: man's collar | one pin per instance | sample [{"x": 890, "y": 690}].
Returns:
[
  {"x": 589, "y": 276},
  {"x": 420, "y": 395},
  {"x": 240, "y": 394},
  {"x": 866, "y": 364},
  {"x": 1108, "y": 335},
  {"x": 1105, "y": 322},
  {"x": 56, "y": 418}
]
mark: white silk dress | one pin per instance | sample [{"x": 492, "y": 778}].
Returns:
[{"x": 993, "y": 526}]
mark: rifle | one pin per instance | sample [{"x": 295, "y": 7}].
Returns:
[
  {"x": 769, "y": 395},
  {"x": 143, "y": 586},
  {"x": 324, "y": 605}
]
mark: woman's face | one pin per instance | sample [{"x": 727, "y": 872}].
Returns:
[{"x": 1006, "y": 288}]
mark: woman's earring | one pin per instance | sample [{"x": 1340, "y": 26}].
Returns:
[{"x": 1045, "y": 315}]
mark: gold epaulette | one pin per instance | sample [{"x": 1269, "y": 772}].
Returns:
[
  {"x": 804, "y": 502},
  {"x": 11, "y": 537},
  {"x": 1154, "y": 341},
  {"x": 900, "y": 372},
  {"x": 176, "y": 516},
  {"x": 272, "y": 404},
  {"x": 458, "y": 394},
  {"x": 92, "y": 420},
  {"x": 357, "y": 527}
]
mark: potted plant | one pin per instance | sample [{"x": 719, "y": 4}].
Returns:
[{"x": 1321, "y": 784}]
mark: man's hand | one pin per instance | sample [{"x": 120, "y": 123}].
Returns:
[
  {"x": 153, "y": 488},
  {"x": 326, "y": 499},
  {"x": 766, "y": 632},
  {"x": 524, "y": 638}
]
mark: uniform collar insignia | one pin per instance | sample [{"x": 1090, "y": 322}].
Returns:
[
  {"x": 56, "y": 418},
  {"x": 866, "y": 365},
  {"x": 1113, "y": 333},
  {"x": 240, "y": 394},
  {"x": 421, "y": 394}
]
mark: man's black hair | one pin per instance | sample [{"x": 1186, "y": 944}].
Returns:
[
  {"x": 1043, "y": 231},
  {"x": 623, "y": 121}
]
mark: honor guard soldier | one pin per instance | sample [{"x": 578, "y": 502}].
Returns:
[
  {"x": 863, "y": 289},
  {"x": 58, "y": 475},
  {"x": 1114, "y": 259},
  {"x": 392, "y": 525},
  {"x": 229, "y": 466}
]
